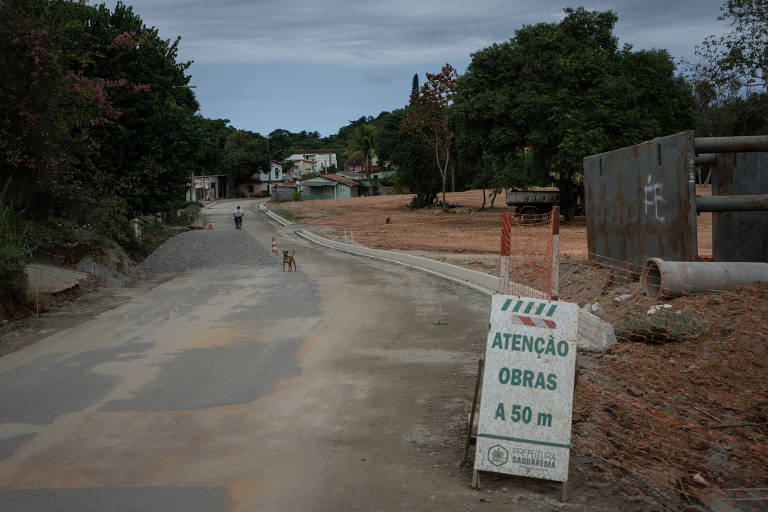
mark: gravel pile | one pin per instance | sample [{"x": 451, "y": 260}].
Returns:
[{"x": 206, "y": 249}]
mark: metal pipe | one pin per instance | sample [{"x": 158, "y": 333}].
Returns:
[
  {"x": 737, "y": 203},
  {"x": 705, "y": 159},
  {"x": 674, "y": 278},
  {"x": 752, "y": 143}
]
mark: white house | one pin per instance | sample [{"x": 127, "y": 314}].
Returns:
[
  {"x": 302, "y": 167},
  {"x": 321, "y": 162},
  {"x": 275, "y": 172}
]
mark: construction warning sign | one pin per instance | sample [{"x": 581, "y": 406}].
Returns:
[{"x": 527, "y": 398}]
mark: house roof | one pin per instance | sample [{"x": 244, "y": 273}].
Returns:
[
  {"x": 329, "y": 177},
  {"x": 352, "y": 175},
  {"x": 341, "y": 179}
]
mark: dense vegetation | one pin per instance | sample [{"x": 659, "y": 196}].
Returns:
[{"x": 98, "y": 123}]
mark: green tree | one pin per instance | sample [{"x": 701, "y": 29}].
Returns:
[
  {"x": 209, "y": 154},
  {"x": 565, "y": 90},
  {"x": 361, "y": 146},
  {"x": 148, "y": 150},
  {"x": 246, "y": 153},
  {"x": 428, "y": 118},
  {"x": 280, "y": 141},
  {"x": 413, "y": 160},
  {"x": 741, "y": 55},
  {"x": 46, "y": 113},
  {"x": 730, "y": 82}
]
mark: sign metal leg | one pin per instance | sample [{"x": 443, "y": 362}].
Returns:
[
  {"x": 476, "y": 480},
  {"x": 478, "y": 382}
]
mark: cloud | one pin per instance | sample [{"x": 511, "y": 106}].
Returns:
[
  {"x": 396, "y": 32},
  {"x": 377, "y": 77},
  {"x": 336, "y": 60}
]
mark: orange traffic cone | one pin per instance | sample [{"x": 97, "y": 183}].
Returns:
[
  {"x": 274, "y": 246},
  {"x": 210, "y": 223}
]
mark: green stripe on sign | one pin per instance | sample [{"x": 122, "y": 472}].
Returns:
[
  {"x": 552, "y": 310},
  {"x": 528, "y": 307},
  {"x": 540, "y": 309},
  {"x": 517, "y": 306},
  {"x": 506, "y": 304},
  {"x": 529, "y": 441}
]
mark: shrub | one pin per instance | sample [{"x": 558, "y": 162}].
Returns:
[{"x": 14, "y": 247}]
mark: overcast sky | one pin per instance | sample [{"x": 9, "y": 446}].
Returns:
[{"x": 316, "y": 64}]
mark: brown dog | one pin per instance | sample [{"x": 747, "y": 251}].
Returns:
[{"x": 289, "y": 259}]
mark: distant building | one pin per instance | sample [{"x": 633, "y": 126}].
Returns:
[
  {"x": 357, "y": 165},
  {"x": 301, "y": 168},
  {"x": 328, "y": 186},
  {"x": 320, "y": 162},
  {"x": 258, "y": 184},
  {"x": 209, "y": 188}
]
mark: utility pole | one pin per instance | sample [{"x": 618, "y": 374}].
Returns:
[{"x": 269, "y": 166}]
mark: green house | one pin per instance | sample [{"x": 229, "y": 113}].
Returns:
[{"x": 329, "y": 186}]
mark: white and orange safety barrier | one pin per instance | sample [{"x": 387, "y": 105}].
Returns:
[
  {"x": 274, "y": 246},
  {"x": 210, "y": 223},
  {"x": 506, "y": 229}
]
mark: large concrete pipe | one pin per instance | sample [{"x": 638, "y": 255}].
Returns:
[
  {"x": 746, "y": 144},
  {"x": 705, "y": 159},
  {"x": 674, "y": 278},
  {"x": 735, "y": 203}
]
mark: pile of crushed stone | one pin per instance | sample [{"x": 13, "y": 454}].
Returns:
[{"x": 198, "y": 249}]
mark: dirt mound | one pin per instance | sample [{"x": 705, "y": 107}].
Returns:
[{"x": 654, "y": 416}]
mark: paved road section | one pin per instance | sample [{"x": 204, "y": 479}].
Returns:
[
  {"x": 237, "y": 387},
  {"x": 127, "y": 499},
  {"x": 342, "y": 386}
]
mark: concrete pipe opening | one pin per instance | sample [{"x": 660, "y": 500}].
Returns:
[{"x": 651, "y": 279}]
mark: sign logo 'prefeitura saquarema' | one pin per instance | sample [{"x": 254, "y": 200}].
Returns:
[{"x": 527, "y": 399}]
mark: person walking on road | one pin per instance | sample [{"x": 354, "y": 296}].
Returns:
[{"x": 238, "y": 216}]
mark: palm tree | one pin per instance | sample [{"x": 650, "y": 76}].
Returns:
[{"x": 361, "y": 147}]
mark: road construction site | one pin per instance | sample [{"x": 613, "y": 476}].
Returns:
[
  {"x": 348, "y": 383},
  {"x": 676, "y": 410}
]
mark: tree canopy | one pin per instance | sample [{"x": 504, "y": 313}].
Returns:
[
  {"x": 427, "y": 117},
  {"x": 362, "y": 147},
  {"x": 730, "y": 81},
  {"x": 741, "y": 55},
  {"x": 407, "y": 153},
  {"x": 566, "y": 91}
]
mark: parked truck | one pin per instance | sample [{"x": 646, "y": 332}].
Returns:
[{"x": 533, "y": 202}]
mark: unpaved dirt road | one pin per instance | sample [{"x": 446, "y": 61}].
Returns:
[{"x": 343, "y": 386}]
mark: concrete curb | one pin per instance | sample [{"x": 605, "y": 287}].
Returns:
[
  {"x": 425, "y": 265},
  {"x": 594, "y": 334},
  {"x": 275, "y": 217}
]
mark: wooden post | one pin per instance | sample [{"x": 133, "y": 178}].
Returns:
[{"x": 480, "y": 365}]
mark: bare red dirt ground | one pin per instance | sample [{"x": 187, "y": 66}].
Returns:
[
  {"x": 465, "y": 229},
  {"x": 683, "y": 393}
]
